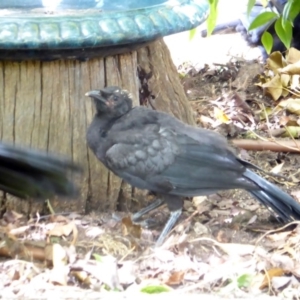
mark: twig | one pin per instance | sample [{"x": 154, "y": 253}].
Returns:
[
  {"x": 261, "y": 145},
  {"x": 275, "y": 230}
]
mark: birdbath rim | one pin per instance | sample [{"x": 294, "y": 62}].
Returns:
[{"x": 90, "y": 28}]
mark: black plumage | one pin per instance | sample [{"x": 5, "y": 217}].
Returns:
[
  {"x": 155, "y": 151},
  {"x": 28, "y": 173}
]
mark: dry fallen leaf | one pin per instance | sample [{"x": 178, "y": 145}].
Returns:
[
  {"x": 283, "y": 261},
  {"x": 19, "y": 230},
  {"x": 294, "y": 82},
  {"x": 64, "y": 230},
  {"x": 290, "y": 120},
  {"x": 104, "y": 270},
  {"x": 291, "y": 105},
  {"x": 292, "y": 131},
  {"x": 220, "y": 115},
  {"x": 292, "y": 69},
  {"x": 276, "y": 61},
  {"x": 10, "y": 216},
  {"x": 278, "y": 236},
  {"x": 274, "y": 87},
  {"x": 277, "y": 169},
  {"x": 240, "y": 249},
  {"x": 175, "y": 278},
  {"x": 280, "y": 282},
  {"x": 59, "y": 272},
  {"x": 199, "y": 200},
  {"x": 276, "y": 272},
  {"x": 58, "y": 219},
  {"x": 293, "y": 55},
  {"x": 296, "y": 194},
  {"x": 129, "y": 228}
]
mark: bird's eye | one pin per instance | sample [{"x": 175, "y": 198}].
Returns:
[{"x": 116, "y": 98}]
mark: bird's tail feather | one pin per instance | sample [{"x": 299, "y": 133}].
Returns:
[
  {"x": 29, "y": 173},
  {"x": 273, "y": 197}
]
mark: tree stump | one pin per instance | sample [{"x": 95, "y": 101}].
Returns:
[{"x": 43, "y": 106}]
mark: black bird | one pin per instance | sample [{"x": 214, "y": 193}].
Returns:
[
  {"x": 155, "y": 151},
  {"x": 28, "y": 173}
]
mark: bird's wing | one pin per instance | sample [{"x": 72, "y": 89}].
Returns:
[
  {"x": 165, "y": 158},
  {"x": 26, "y": 172},
  {"x": 144, "y": 151}
]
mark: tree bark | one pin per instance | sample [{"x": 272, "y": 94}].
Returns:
[{"x": 43, "y": 106}]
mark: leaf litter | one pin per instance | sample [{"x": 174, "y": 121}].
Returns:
[{"x": 224, "y": 246}]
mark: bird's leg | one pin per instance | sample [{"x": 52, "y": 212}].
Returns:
[
  {"x": 174, "y": 215},
  {"x": 175, "y": 205},
  {"x": 155, "y": 204}
]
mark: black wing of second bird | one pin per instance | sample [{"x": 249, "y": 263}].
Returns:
[
  {"x": 152, "y": 150},
  {"x": 25, "y": 172}
]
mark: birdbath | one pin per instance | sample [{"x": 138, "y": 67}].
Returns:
[{"x": 53, "y": 51}]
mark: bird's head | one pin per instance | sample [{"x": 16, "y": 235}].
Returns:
[{"x": 111, "y": 101}]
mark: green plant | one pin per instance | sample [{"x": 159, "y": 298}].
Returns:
[{"x": 283, "y": 22}]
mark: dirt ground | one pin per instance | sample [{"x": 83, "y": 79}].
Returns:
[{"x": 224, "y": 246}]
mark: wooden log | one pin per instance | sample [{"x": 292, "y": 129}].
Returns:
[{"x": 42, "y": 104}]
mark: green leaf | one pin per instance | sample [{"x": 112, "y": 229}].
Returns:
[
  {"x": 287, "y": 11},
  {"x": 192, "y": 33},
  {"x": 213, "y": 2},
  {"x": 250, "y": 6},
  {"x": 212, "y": 17},
  {"x": 154, "y": 289},
  {"x": 244, "y": 280},
  {"x": 284, "y": 33},
  {"x": 267, "y": 41},
  {"x": 97, "y": 257},
  {"x": 291, "y": 10},
  {"x": 263, "y": 19},
  {"x": 285, "y": 23}
]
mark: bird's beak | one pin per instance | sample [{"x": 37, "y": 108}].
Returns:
[{"x": 97, "y": 95}]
